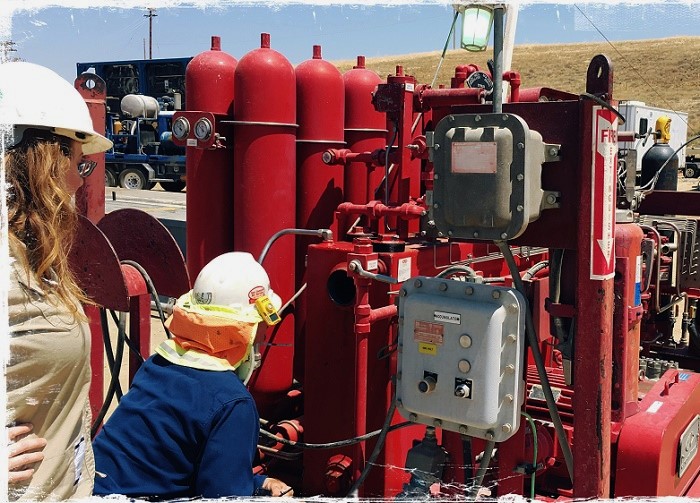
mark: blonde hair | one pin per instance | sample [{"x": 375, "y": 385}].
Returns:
[{"x": 41, "y": 214}]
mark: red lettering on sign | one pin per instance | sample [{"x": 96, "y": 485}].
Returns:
[{"x": 425, "y": 331}]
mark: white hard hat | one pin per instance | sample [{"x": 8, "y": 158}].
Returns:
[
  {"x": 233, "y": 280},
  {"x": 32, "y": 96}
]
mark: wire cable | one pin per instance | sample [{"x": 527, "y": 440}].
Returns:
[
  {"x": 483, "y": 467},
  {"x": 634, "y": 68},
  {"x": 457, "y": 268},
  {"x": 132, "y": 347},
  {"x": 437, "y": 70},
  {"x": 539, "y": 361},
  {"x": 114, "y": 378},
  {"x": 152, "y": 291},
  {"x": 375, "y": 453},
  {"x": 533, "y": 428},
  {"x": 108, "y": 349},
  {"x": 604, "y": 104},
  {"x": 649, "y": 186},
  {"x": 333, "y": 445}
]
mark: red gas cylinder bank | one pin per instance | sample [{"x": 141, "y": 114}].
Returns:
[
  {"x": 209, "y": 81},
  {"x": 365, "y": 131},
  {"x": 320, "y": 113},
  {"x": 265, "y": 200}
]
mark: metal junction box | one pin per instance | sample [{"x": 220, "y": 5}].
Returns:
[
  {"x": 487, "y": 176},
  {"x": 460, "y": 356}
]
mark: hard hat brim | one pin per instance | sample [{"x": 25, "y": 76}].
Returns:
[{"x": 91, "y": 141}]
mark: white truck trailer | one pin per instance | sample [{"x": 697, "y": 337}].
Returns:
[{"x": 641, "y": 119}]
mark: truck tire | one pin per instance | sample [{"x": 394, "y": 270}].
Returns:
[
  {"x": 691, "y": 170},
  {"x": 110, "y": 179},
  {"x": 134, "y": 179},
  {"x": 174, "y": 186}
]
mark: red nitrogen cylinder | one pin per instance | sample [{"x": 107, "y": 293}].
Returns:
[
  {"x": 265, "y": 199},
  {"x": 209, "y": 81},
  {"x": 626, "y": 320},
  {"x": 320, "y": 114},
  {"x": 365, "y": 129}
]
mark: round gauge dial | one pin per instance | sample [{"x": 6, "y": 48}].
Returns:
[
  {"x": 203, "y": 129},
  {"x": 482, "y": 80},
  {"x": 181, "y": 128}
]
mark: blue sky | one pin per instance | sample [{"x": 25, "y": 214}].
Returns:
[{"x": 59, "y": 37}]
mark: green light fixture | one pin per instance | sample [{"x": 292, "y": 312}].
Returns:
[{"x": 477, "y": 20}]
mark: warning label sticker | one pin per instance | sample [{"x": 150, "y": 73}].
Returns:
[
  {"x": 425, "y": 331},
  {"x": 427, "y": 349}
]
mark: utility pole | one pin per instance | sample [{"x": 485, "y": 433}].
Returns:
[{"x": 151, "y": 14}]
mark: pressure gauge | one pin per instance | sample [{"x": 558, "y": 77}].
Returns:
[
  {"x": 181, "y": 128},
  {"x": 202, "y": 129},
  {"x": 482, "y": 80}
]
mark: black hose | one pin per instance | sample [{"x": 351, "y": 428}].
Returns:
[
  {"x": 114, "y": 378},
  {"x": 375, "y": 453},
  {"x": 152, "y": 291},
  {"x": 132, "y": 347},
  {"x": 339, "y": 443},
  {"x": 108, "y": 349},
  {"x": 483, "y": 467},
  {"x": 457, "y": 268},
  {"x": 539, "y": 361}
]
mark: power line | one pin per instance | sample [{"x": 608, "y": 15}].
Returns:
[{"x": 639, "y": 74}]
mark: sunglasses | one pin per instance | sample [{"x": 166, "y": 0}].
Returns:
[{"x": 85, "y": 167}]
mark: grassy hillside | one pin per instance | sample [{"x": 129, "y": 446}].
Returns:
[{"x": 663, "y": 73}]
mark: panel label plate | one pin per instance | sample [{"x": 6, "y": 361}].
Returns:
[
  {"x": 445, "y": 317},
  {"x": 425, "y": 331}
]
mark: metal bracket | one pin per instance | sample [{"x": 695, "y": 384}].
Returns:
[
  {"x": 550, "y": 200},
  {"x": 552, "y": 152}
]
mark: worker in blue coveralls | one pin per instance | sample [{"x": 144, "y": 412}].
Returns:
[{"x": 188, "y": 427}]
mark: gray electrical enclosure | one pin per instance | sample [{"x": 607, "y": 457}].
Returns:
[
  {"x": 460, "y": 356},
  {"x": 487, "y": 176}
]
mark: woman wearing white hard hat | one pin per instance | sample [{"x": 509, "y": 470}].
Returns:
[
  {"x": 45, "y": 128},
  {"x": 188, "y": 427}
]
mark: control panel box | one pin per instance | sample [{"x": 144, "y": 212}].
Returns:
[
  {"x": 461, "y": 347},
  {"x": 487, "y": 176}
]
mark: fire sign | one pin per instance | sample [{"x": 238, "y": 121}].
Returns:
[{"x": 603, "y": 194}]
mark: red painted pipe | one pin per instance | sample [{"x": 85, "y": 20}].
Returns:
[
  {"x": 514, "y": 79},
  {"x": 375, "y": 209},
  {"x": 345, "y": 156},
  {"x": 436, "y": 98},
  {"x": 139, "y": 316}
]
